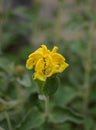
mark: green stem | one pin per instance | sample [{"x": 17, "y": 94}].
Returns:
[
  {"x": 46, "y": 107},
  {"x": 8, "y": 120},
  {"x": 19, "y": 97},
  {"x": 18, "y": 90}
]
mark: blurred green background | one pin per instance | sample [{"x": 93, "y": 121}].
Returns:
[{"x": 24, "y": 26}]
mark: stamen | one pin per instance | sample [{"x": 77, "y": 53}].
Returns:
[{"x": 44, "y": 70}]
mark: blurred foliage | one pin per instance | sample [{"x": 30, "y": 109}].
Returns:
[{"x": 73, "y": 106}]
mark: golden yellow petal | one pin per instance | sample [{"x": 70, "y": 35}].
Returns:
[
  {"x": 29, "y": 64},
  {"x": 36, "y": 53},
  {"x": 39, "y": 76},
  {"x": 58, "y": 57},
  {"x": 45, "y": 50},
  {"x": 62, "y": 67},
  {"x": 54, "y": 50}
]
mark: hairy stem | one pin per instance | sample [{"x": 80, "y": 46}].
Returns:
[{"x": 46, "y": 107}]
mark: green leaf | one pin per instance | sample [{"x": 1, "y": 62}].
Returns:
[
  {"x": 4, "y": 64},
  {"x": 25, "y": 81},
  {"x": 3, "y": 83},
  {"x": 51, "y": 85},
  {"x": 1, "y": 116},
  {"x": 64, "y": 95},
  {"x": 61, "y": 115},
  {"x": 33, "y": 119},
  {"x": 89, "y": 123},
  {"x": 64, "y": 126}
]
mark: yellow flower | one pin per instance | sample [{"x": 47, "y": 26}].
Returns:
[{"x": 46, "y": 62}]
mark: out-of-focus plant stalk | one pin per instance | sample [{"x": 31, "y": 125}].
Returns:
[
  {"x": 88, "y": 63},
  {"x": 19, "y": 97},
  {"x": 87, "y": 67},
  {"x": 1, "y": 21},
  {"x": 58, "y": 22},
  {"x": 8, "y": 120}
]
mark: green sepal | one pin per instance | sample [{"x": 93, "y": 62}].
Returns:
[
  {"x": 51, "y": 85},
  {"x": 40, "y": 85}
]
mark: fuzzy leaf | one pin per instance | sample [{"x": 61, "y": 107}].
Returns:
[
  {"x": 61, "y": 115},
  {"x": 64, "y": 95},
  {"x": 32, "y": 120}
]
